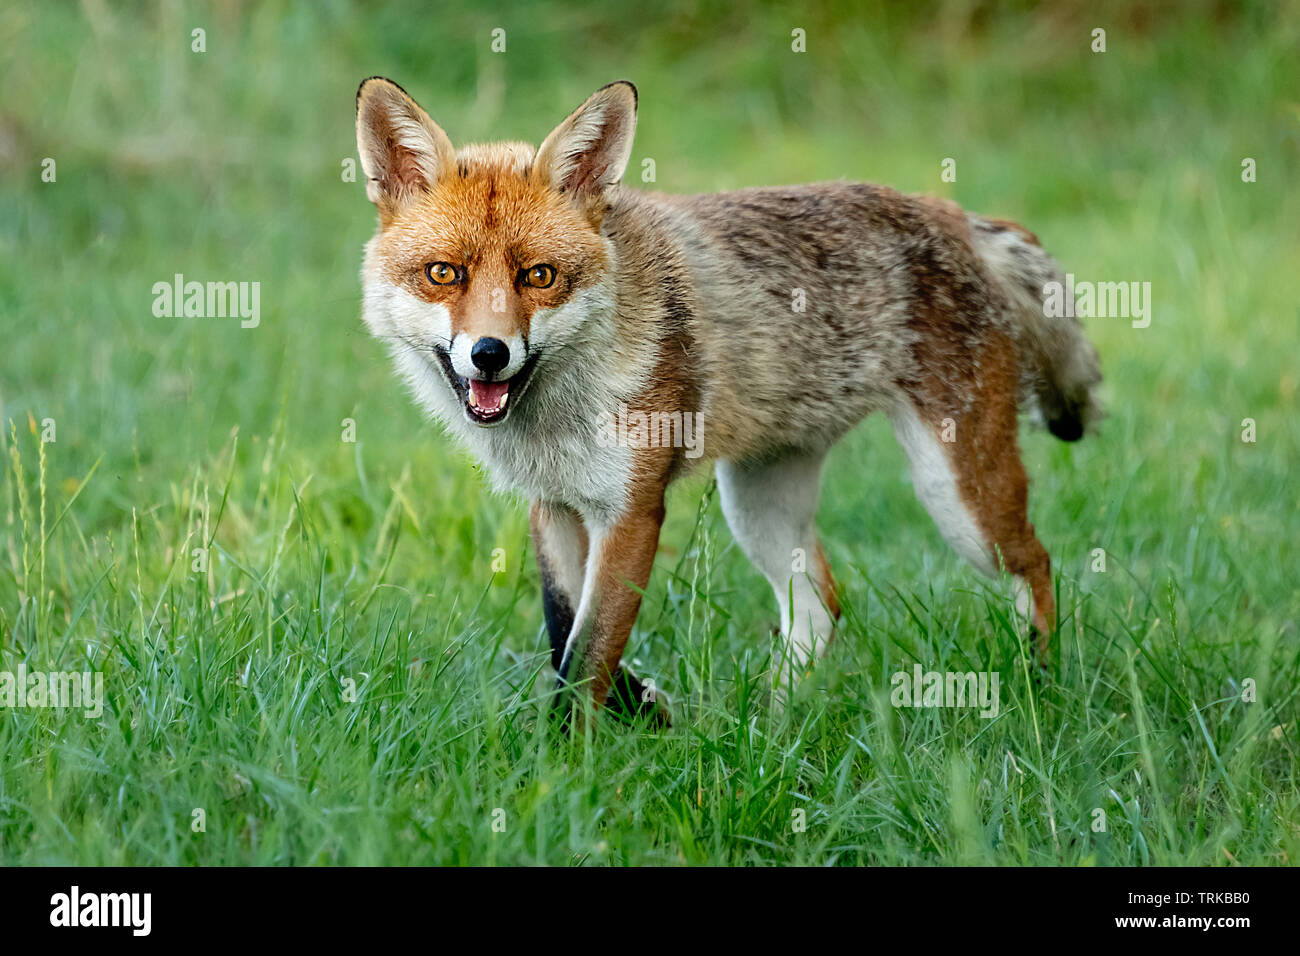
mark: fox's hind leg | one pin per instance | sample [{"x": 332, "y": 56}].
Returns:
[
  {"x": 771, "y": 509},
  {"x": 959, "y": 433}
]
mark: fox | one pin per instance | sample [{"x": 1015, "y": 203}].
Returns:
[{"x": 526, "y": 295}]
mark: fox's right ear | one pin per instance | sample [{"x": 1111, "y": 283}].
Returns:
[{"x": 403, "y": 152}]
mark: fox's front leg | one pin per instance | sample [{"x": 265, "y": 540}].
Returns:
[
  {"x": 564, "y": 557},
  {"x": 620, "y": 557},
  {"x": 560, "y": 540}
]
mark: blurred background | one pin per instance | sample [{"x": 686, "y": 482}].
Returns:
[{"x": 228, "y": 164}]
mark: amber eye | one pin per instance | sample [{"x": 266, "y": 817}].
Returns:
[
  {"x": 539, "y": 277},
  {"x": 441, "y": 273}
]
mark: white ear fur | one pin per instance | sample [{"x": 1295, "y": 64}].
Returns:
[
  {"x": 587, "y": 153},
  {"x": 402, "y": 150}
]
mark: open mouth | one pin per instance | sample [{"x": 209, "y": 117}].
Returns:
[{"x": 487, "y": 403}]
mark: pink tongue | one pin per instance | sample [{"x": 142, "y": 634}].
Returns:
[{"x": 488, "y": 395}]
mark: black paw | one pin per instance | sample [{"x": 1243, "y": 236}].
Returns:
[{"x": 632, "y": 699}]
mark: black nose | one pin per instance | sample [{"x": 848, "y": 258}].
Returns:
[{"x": 490, "y": 355}]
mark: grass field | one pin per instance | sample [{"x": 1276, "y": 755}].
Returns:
[{"x": 350, "y": 677}]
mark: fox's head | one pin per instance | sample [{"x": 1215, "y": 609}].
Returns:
[{"x": 490, "y": 255}]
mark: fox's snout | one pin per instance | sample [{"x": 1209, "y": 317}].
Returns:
[{"x": 489, "y": 355}]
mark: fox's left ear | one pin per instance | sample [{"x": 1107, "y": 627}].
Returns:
[{"x": 585, "y": 156}]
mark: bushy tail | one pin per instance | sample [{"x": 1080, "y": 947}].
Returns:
[{"x": 1059, "y": 367}]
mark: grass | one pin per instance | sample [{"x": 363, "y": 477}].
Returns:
[{"x": 349, "y": 676}]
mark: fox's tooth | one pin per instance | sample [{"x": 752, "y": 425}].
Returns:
[
  {"x": 504, "y": 398},
  {"x": 473, "y": 399}
]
